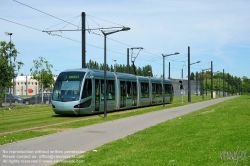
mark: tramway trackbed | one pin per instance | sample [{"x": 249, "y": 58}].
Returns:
[{"x": 53, "y": 148}]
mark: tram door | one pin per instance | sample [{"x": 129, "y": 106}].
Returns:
[
  {"x": 153, "y": 93},
  {"x": 134, "y": 94},
  {"x": 97, "y": 95},
  {"x": 123, "y": 96}
]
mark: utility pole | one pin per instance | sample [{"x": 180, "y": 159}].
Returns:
[
  {"x": 128, "y": 60},
  {"x": 83, "y": 41},
  {"x": 228, "y": 84},
  {"x": 134, "y": 58},
  {"x": 189, "y": 86},
  {"x": 223, "y": 83},
  {"x": 211, "y": 79},
  {"x": 196, "y": 78},
  {"x": 169, "y": 70},
  {"x": 202, "y": 85},
  {"x": 26, "y": 85}
]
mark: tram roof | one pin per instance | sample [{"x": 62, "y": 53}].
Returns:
[{"x": 99, "y": 73}]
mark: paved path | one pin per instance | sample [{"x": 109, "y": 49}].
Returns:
[{"x": 56, "y": 147}]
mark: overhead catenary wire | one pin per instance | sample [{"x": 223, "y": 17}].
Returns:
[
  {"x": 63, "y": 22},
  {"x": 59, "y": 35},
  {"x": 78, "y": 41},
  {"x": 21, "y": 24},
  {"x": 43, "y": 12},
  {"x": 78, "y": 26},
  {"x": 104, "y": 20},
  {"x": 151, "y": 55}
]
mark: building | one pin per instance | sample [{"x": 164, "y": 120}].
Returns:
[{"x": 25, "y": 85}]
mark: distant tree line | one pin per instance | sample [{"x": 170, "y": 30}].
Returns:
[
  {"x": 232, "y": 84},
  {"x": 142, "y": 71}
]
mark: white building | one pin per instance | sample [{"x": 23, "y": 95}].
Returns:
[{"x": 25, "y": 85}]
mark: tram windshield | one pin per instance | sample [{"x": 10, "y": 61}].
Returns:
[{"x": 68, "y": 86}]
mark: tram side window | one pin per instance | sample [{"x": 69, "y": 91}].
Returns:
[
  {"x": 129, "y": 90},
  {"x": 111, "y": 90},
  {"x": 158, "y": 90},
  {"x": 134, "y": 88},
  {"x": 154, "y": 89},
  {"x": 144, "y": 90},
  {"x": 87, "y": 89},
  {"x": 134, "y": 94},
  {"x": 57, "y": 91},
  {"x": 102, "y": 89}
]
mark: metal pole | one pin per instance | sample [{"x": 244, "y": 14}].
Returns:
[
  {"x": 196, "y": 83},
  {"x": 189, "y": 85},
  {"x": 13, "y": 73},
  {"x": 182, "y": 90},
  {"x": 163, "y": 85},
  {"x": 202, "y": 85},
  {"x": 182, "y": 75},
  {"x": 114, "y": 65},
  {"x": 105, "y": 78},
  {"x": 10, "y": 65},
  {"x": 219, "y": 86},
  {"x": 83, "y": 41},
  {"x": 211, "y": 79},
  {"x": 128, "y": 60},
  {"x": 223, "y": 84},
  {"x": 206, "y": 83},
  {"x": 227, "y": 84},
  {"x": 26, "y": 85},
  {"x": 168, "y": 70}
]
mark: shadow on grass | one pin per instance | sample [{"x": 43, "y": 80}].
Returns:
[{"x": 76, "y": 116}]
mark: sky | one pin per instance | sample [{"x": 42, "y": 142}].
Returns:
[{"x": 215, "y": 31}]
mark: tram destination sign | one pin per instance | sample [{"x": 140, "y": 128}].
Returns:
[{"x": 73, "y": 76}]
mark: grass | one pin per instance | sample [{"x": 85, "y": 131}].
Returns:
[
  {"x": 24, "y": 122},
  {"x": 216, "y": 135}
]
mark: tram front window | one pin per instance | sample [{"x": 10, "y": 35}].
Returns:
[{"x": 67, "y": 86}]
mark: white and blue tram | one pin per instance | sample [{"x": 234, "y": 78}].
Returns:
[{"x": 80, "y": 91}]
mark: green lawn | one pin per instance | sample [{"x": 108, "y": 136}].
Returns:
[
  {"x": 216, "y": 135},
  {"x": 22, "y": 122}
]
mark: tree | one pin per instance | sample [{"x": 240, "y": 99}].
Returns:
[
  {"x": 42, "y": 73},
  {"x": 8, "y": 67}
]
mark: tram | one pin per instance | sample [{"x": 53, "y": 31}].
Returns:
[{"x": 81, "y": 91}]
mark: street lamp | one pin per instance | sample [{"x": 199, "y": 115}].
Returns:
[
  {"x": 195, "y": 62},
  {"x": 196, "y": 82},
  {"x": 212, "y": 86},
  {"x": 9, "y": 34},
  {"x": 115, "y": 65},
  {"x": 163, "y": 94},
  {"x": 105, "y": 72}
]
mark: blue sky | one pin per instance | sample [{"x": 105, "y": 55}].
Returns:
[{"x": 216, "y": 31}]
